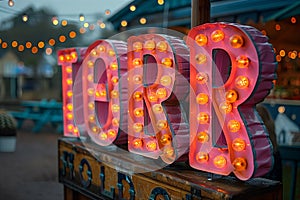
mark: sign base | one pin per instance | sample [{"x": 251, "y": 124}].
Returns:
[{"x": 89, "y": 171}]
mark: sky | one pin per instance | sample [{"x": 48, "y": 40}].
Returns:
[{"x": 63, "y": 7}]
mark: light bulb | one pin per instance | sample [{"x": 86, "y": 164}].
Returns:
[
  {"x": 220, "y": 161},
  {"x": 202, "y": 157},
  {"x": 11, "y": 3},
  {"x": 201, "y": 39}
]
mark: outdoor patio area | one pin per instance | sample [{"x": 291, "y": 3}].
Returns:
[{"x": 31, "y": 171}]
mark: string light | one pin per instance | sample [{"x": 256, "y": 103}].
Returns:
[
  {"x": 143, "y": 20},
  {"x": 107, "y": 12},
  {"x": 11, "y": 3},
  {"x": 132, "y": 8},
  {"x": 25, "y": 18},
  {"x": 81, "y": 17}
]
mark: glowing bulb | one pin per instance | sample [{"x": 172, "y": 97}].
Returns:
[
  {"x": 162, "y": 124},
  {"x": 114, "y": 94},
  {"x": 94, "y": 53},
  {"x": 55, "y": 21},
  {"x": 74, "y": 55},
  {"x": 137, "y": 143},
  {"x": 168, "y": 62},
  {"x": 111, "y": 133},
  {"x": 240, "y": 164},
  {"x": 69, "y": 93},
  {"x": 4, "y": 45},
  {"x": 92, "y": 118},
  {"x": 236, "y": 41},
  {"x": 51, "y": 42},
  {"x": 157, "y": 108},
  {"x": 202, "y": 78},
  {"x": 152, "y": 97},
  {"x": 234, "y": 126},
  {"x": 91, "y": 105},
  {"x": 151, "y": 146},
  {"x": 101, "y": 93},
  {"x": 166, "y": 80},
  {"x": 115, "y": 122},
  {"x": 281, "y": 109},
  {"x": 90, "y": 64},
  {"x": 226, "y": 107},
  {"x": 149, "y": 45},
  {"x": 62, "y": 38},
  {"x": 137, "y": 46},
  {"x": 69, "y": 116},
  {"x": 101, "y": 48},
  {"x": 81, "y": 18},
  {"x": 41, "y": 45},
  {"x": 69, "y": 69},
  {"x": 64, "y": 22},
  {"x": 242, "y": 82},
  {"x": 69, "y": 107},
  {"x": 95, "y": 129},
  {"x": 90, "y": 78},
  {"x": 161, "y": 93},
  {"x": 107, "y": 12},
  {"x": 160, "y": 2},
  {"x": 72, "y": 34},
  {"x": 201, "y": 58},
  {"x": 220, "y": 161},
  {"x": 132, "y": 8},
  {"x": 75, "y": 130},
  {"x": 203, "y": 118},
  {"x": 137, "y": 79},
  {"x": 114, "y": 80},
  {"x": 115, "y": 108},
  {"x": 202, "y": 157},
  {"x": 238, "y": 144},
  {"x": 231, "y": 96},
  {"x": 201, "y": 39},
  {"x": 202, "y": 137},
  {"x": 162, "y": 46},
  {"x": 242, "y": 61},
  {"x": 138, "y": 127},
  {"x": 11, "y": 3},
  {"x": 165, "y": 139},
  {"x": 138, "y": 112},
  {"x": 91, "y": 91},
  {"x": 111, "y": 52},
  {"x": 68, "y": 57},
  {"x": 138, "y": 96},
  {"x": 202, "y": 98},
  {"x": 14, "y": 44},
  {"x": 113, "y": 66},
  {"x": 137, "y": 62},
  {"x": 103, "y": 136},
  {"x": 29, "y": 45},
  {"x": 217, "y": 36},
  {"x": 143, "y": 20},
  {"x": 70, "y": 127},
  {"x": 169, "y": 151}
]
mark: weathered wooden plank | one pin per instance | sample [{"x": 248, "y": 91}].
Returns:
[{"x": 94, "y": 172}]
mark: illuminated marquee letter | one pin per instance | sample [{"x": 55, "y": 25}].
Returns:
[
  {"x": 157, "y": 86},
  {"x": 232, "y": 68},
  {"x": 102, "y": 68},
  {"x": 70, "y": 60}
]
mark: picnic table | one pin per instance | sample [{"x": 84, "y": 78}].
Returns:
[{"x": 41, "y": 112}]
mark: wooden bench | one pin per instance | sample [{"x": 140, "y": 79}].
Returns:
[{"x": 41, "y": 112}]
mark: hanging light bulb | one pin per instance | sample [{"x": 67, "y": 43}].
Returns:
[
  {"x": 81, "y": 17},
  {"x": 25, "y": 17},
  {"x": 11, "y": 3}
]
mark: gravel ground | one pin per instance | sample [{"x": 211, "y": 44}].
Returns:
[{"x": 31, "y": 172}]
